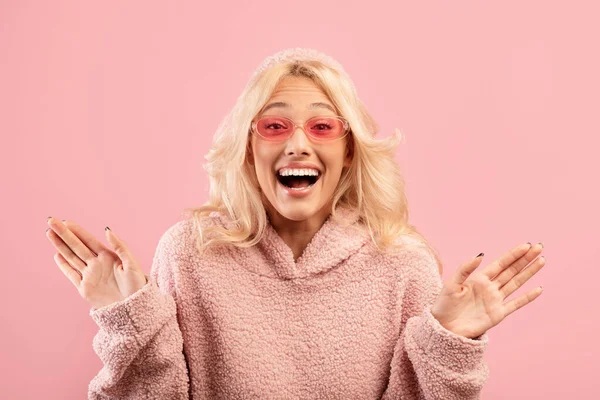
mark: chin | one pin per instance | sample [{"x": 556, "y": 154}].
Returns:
[{"x": 298, "y": 212}]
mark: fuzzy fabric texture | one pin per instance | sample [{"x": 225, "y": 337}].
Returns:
[{"x": 344, "y": 321}]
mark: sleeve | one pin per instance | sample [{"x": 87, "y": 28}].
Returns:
[
  {"x": 429, "y": 361},
  {"x": 139, "y": 340}
]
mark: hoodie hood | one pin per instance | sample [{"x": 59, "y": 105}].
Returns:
[{"x": 333, "y": 243}]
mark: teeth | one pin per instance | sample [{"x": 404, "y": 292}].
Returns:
[
  {"x": 302, "y": 188},
  {"x": 298, "y": 172}
]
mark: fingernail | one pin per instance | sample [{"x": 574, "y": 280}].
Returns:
[
  {"x": 541, "y": 244},
  {"x": 529, "y": 243},
  {"x": 48, "y": 219},
  {"x": 106, "y": 227},
  {"x": 47, "y": 229},
  {"x": 479, "y": 255}
]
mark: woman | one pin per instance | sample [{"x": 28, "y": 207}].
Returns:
[{"x": 301, "y": 277}]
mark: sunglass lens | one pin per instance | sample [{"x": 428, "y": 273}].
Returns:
[
  {"x": 325, "y": 128},
  {"x": 273, "y": 128}
]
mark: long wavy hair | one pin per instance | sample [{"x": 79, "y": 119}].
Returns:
[{"x": 372, "y": 186}]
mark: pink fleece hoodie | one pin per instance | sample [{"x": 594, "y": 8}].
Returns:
[{"x": 342, "y": 322}]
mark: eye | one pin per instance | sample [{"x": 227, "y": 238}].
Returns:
[
  {"x": 272, "y": 126},
  {"x": 323, "y": 126}
]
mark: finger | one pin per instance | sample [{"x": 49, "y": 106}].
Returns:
[
  {"x": 119, "y": 247},
  {"x": 76, "y": 246},
  {"x": 516, "y": 267},
  {"x": 519, "y": 302},
  {"x": 65, "y": 251},
  {"x": 465, "y": 270},
  {"x": 523, "y": 277},
  {"x": 86, "y": 238},
  {"x": 74, "y": 275},
  {"x": 505, "y": 261}
]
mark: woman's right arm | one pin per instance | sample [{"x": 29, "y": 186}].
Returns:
[{"x": 139, "y": 340}]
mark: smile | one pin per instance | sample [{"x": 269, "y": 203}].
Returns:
[
  {"x": 298, "y": 182},
  {"x": 297, "y": 186}
]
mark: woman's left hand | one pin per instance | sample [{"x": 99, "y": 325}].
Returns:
[{"x": 470, "y": 304}]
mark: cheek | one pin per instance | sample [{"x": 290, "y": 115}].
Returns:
[
  {"x": 334, "y": 161},
  {"x": 264, "y": 158}
]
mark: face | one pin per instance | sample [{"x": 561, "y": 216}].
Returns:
[{"x": 268, "y": 157}]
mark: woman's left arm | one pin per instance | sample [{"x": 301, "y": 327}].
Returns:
[{"x": 439, "y": 354}]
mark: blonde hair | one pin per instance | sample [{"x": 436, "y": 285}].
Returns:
[{"x": 373, "y": 185}]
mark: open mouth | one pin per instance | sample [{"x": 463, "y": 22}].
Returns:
[{"x": 298, "y": 182}]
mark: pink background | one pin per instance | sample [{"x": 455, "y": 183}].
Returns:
[{"x": 107, "y": 109}]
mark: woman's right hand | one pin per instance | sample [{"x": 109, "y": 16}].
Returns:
[{"x": 102, "y": 276}]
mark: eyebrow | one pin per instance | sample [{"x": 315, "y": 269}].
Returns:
[{"x": 286, "y": 105}]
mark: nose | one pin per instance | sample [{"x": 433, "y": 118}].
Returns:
[{"x": 298, "y": 142}]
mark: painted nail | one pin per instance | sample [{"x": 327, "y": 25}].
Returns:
[
  {"x": 106, "y": 227},
  {"x": 541, "y": 244},
  {"x": 479, "y": 255},
  {"x": 48, "y": 219}
]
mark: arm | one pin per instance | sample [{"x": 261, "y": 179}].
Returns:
[
  {"x": 431, "y": 362},
  {"x": 139, "y": 340}
]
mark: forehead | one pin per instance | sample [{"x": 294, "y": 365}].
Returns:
[{"x": 300, "y": 93}]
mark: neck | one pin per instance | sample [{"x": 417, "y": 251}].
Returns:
[{"x": 297, "y": 234}]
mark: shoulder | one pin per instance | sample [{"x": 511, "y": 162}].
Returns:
[
  {"x": 420, "y": 275},
  {"x": 174, "y": 239},
  {"x": 414, "y": 259},
  {"x": 180, "y": 237},
  {"x": 409, "y": 248}
]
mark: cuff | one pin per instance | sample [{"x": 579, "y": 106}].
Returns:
[
  {"x": 445, "y": 347},
  {"x": 136, "y": 313}
]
